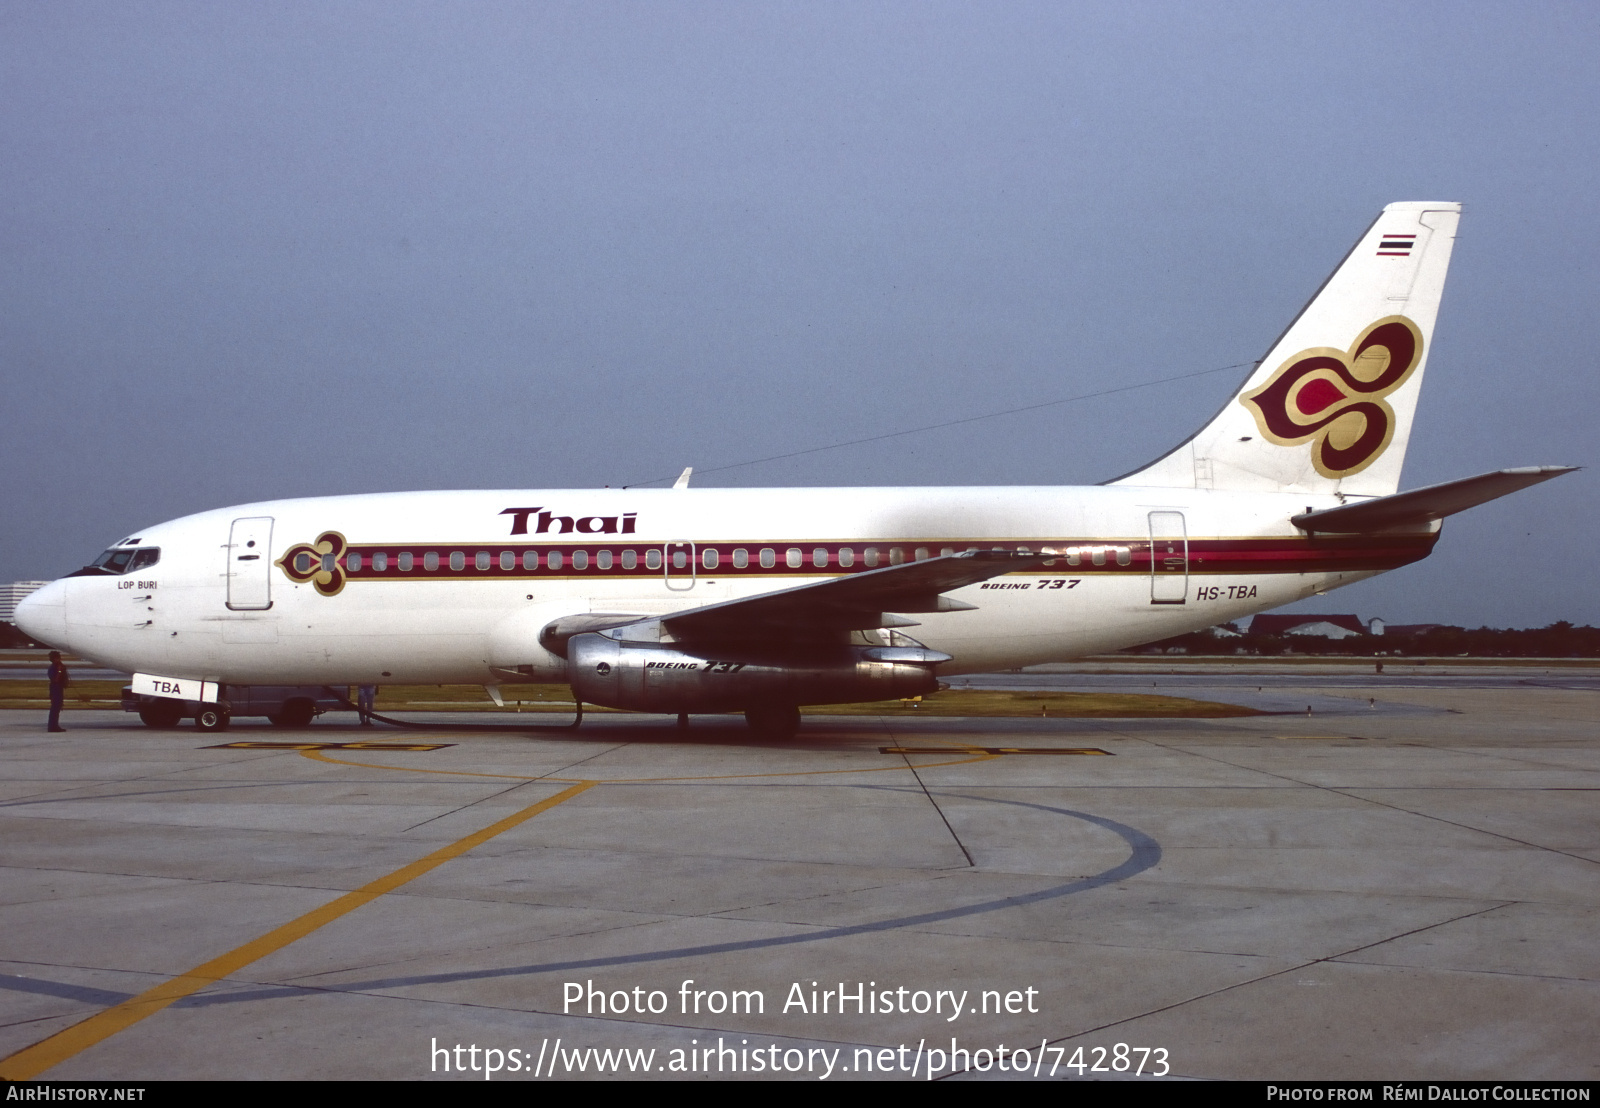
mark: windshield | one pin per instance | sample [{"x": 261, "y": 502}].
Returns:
[
  {"x": 121, "y": 559},
  {"x": 113, "y": 561}
]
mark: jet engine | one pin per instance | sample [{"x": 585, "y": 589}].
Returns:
[{"x": 658, "y": 677}]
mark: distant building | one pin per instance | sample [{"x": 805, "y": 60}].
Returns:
[
  {"x": 11, "y": 595},
  {"x": 1326, "y": 627}
]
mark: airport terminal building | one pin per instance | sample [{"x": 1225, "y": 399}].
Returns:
[{"x": 11, "y": 595}]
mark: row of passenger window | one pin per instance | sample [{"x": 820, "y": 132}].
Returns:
[
  {"x": 1097, "y": 555},
  {"x": 509, "y": 561}
]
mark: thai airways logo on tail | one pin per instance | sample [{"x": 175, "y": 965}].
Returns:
[{"x": 1334, "y": 399}]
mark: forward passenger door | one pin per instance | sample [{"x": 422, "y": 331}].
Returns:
[{"x": 250, "y": 564}]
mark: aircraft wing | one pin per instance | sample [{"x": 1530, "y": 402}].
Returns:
[
  {"x": 860, "y": 601},
  {"x": 1420, "y": 507}
]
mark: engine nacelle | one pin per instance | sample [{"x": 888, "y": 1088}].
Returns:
[
  {"x": 515, "y": 652},
  {"x": 647, "y": 677}
]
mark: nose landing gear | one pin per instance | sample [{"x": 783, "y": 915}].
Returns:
[
  {"x": 211, "y": 717},
  {"x": 161, "y": 713}
]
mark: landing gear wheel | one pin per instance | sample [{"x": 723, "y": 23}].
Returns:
[
  {"x": 211, "y": 718},
  {"x": 295, "y": 713},
  {"x": 161, "y": 713},
  {"x": 773, "y": 721}
]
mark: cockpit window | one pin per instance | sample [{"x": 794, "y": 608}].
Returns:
[
  {"x": 119, "y": 560},
  {"x": 114, "y": 560}
]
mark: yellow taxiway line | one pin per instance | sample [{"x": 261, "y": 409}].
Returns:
[
  {"x": 34, "y": 1060},
  {"x": 319, "y": 756}
]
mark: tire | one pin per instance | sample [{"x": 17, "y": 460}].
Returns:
[
  {"x": 210, "y": 717},
  {"x": 773, "y": 721},
  {"x": 161, "y": 713},
  {"x": 294, "y": 713}
]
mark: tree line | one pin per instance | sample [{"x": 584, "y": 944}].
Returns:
[{"x": 1559, "y": 640}]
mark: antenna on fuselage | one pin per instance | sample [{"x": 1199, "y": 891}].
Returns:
[{"x": 683, "y": 478}]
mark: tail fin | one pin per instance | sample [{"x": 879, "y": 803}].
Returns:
[{"x": 1329, "y": 408}]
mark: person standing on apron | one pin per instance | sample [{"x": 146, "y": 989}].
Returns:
[{"x": 59, "y": 680}]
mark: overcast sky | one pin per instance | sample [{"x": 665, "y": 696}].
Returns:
[{"x": 293, "y": 249}]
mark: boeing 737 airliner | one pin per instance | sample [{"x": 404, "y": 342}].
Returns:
[{"x": 723, "y": 600}]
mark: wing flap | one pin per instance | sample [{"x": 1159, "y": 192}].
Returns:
[{"x": 860, "y": 601}]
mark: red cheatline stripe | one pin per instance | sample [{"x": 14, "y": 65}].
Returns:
[{"x": 1206, "y": 555}]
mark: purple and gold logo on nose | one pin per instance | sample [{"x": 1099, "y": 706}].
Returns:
[
  {"x": 1334, "y": 399},
  {"x": 317, "y": 563}
]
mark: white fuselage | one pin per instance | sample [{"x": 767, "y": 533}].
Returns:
[{"x": 1132, "y": 565}]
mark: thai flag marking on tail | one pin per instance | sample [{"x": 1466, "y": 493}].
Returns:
[{"x": 1396, "y": 246}]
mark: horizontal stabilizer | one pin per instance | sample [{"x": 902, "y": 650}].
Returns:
[{"x": 1420, "y": 507}]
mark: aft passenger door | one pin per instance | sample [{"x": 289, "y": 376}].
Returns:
[
  {"x": 1169, "y": 558},
  {"x": 250, "y": 564}
]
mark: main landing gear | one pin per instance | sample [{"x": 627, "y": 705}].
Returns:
[{"x": 773, "y": 721}]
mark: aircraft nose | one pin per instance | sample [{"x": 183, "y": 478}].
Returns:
[{"x": 42, "y": 615}]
